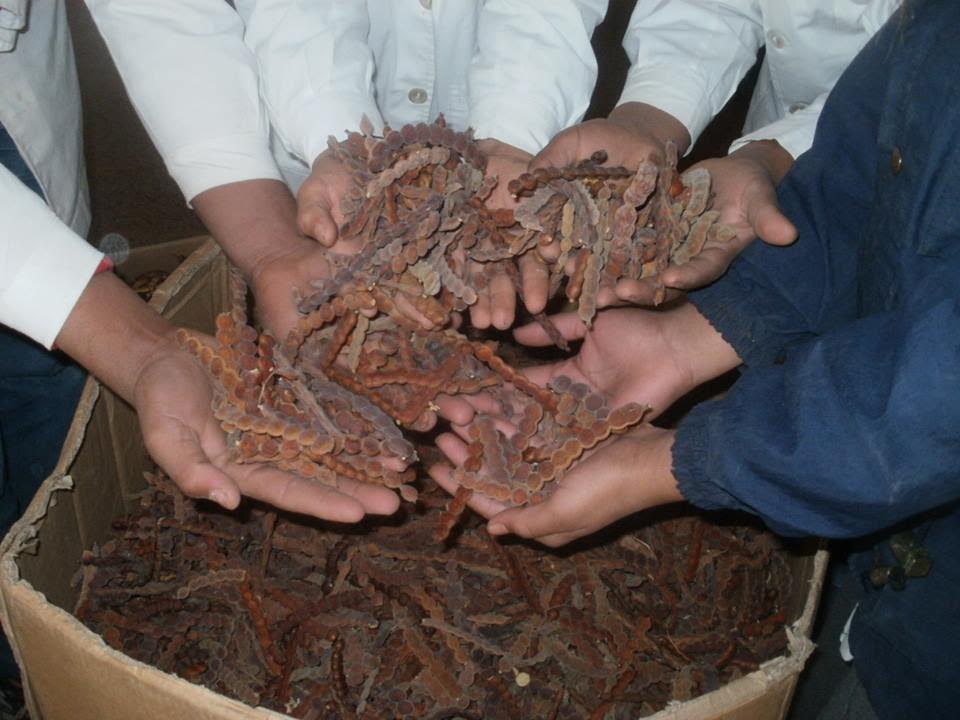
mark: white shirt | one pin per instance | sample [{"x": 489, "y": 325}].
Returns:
[
  {"x": 44, "y": 265},
  {"x": 688, "y": 56},
  {"x": 516, "y": 70}
]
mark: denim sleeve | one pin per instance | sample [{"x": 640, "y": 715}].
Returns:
[{"x": 853, "y": 432}]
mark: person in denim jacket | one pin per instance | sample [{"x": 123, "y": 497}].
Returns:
[{"x": 845, "y": 420}]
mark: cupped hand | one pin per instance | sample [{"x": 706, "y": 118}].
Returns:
[
  {"x": 624, "y": 144},
  {"x": 745, "y": 193},
  {"x": 173, "y": 395},
  {"x": 621, "y": 476}
]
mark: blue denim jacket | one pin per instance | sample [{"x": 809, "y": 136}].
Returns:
[{"x": 846, "y": 419}]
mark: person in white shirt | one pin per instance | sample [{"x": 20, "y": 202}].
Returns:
[
  {"x": 41, "y": 142},
  {"x": 687, "y": 59},
  {"x": 94, "y": 317},
  {"x": 51, "y": 293},
  {"x": 238, "y": 100}
]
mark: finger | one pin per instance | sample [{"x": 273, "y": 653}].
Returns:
[
  {"x": 316, "y": 221},
  {"x": 560, "y": 152},
  {"x": 443, "y": 476},
  {"x": 704, "y": 268},
  {"x": 453, "y": 447},
  {"x": 637, "y": 292},
  {"x": 537, "y": 522},
  {"x": 771, "y": 225},
  {"x": 533, "y": 335},
  {"x": 480, "y": 311},
  {"x": 548, "y": 249},
  {"x": 607, "y": 297},
  {"x": 290, "y": 492},
  {"x": 535, "y": 281},
  {"x": 176, "y": 448},
  {"x": 456, "y": 409},
  {"x": 503, "y": 301},
  {"x": 408, "y": 309},
  {"x": 376, "y": 499}
]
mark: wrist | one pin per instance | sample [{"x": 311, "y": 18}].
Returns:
[
  {"x": 769, "y": 155},
  {"x": 656, "y": 484},
  {"x": 648, "y": 120},
  {"x": 254, "y": 221},
  {"x": 113, "y": 334},
  {"x": 706, "y": 355}
]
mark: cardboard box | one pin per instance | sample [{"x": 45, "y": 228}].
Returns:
[{"x": 69, "y": 673}]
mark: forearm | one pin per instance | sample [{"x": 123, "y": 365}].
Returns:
[
  {"x": 643, "y": 118},
  {"x": 254, "y": 221},
  {"x": 114, "y": 334}
]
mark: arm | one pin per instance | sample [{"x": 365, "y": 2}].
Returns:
[
  {"x": 687, "y": 57},
  {"x": 44, "y": 266},
  {"x": 852, "y": 434},
  {"x": 533, "y": 70},
  {"x": 46, "y": 291},
  {"x": 194, "y": 85}
]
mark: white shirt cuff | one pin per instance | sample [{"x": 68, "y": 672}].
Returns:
[
  {"x": 220, "y": 161},
  {"x": 679, "y": 92},
  {"x": 794, "y": 132},
  {"x": 44, "y": 267}
]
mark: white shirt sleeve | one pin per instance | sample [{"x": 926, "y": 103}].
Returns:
[
  {"x": 534, "y": 69},
  {"x": 194, "y": 84},
  {"x": 317, "y": 69},
  {"x": 44, "y": 265},
  {"x": 687, "y": 57},
  {"x": 794, "y": 132}
]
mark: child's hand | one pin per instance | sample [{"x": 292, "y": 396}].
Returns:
[{"x": 619, "y": 477}]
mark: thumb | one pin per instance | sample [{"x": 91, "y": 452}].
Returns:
[
  {"x": 531, "y": 521},
  {"x": 769, "y": 224},
  {"x": 316, "y": 221},
  {"x": 569, "y": 325},
  {"x": 559, "y": 152},
  {"x": 177, "y": 450}
]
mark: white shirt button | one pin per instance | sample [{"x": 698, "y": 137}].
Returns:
[
  {"x": 777, "y": 39},
  {"x": 797, "y": 107},
  {"x": 427, "y": 4},
  {"x": 417, "y": 96}
]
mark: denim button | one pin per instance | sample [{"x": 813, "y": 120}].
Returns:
[{"x": 896, "y": 161}]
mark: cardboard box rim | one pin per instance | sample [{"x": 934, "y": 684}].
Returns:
[{"x": 71, "y": 673}]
